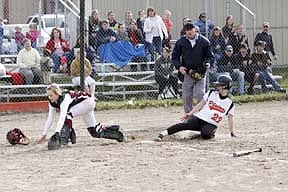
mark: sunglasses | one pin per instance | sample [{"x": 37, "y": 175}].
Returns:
[{"x": 266, "y": 26}]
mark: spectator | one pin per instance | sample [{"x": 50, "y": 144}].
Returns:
[
  {"x": 140, "y": 21},
  {"x": 93, "y": 26},
  {"x": 185, "y": 20},
  {"x": 228, "y": 65},
  {"x": 28, "y": 61},
  {"x": 90, "y": 55},
  {"x": 164, "y": 74},
  {"x": 169, "y": 24},
  {"x": 1, "y": 36},
  {"x": 19, "y": 37},
  {"x": 238, "y": 38},
  {"x": 154, "y": 29},
  {"x": 260, "y": 61},
  {"x": 205, "y": 26},
  {"x": 228, "y": 29},
  {"x": 217, "y": 43},
  {"x": 105, "y": 34},
  {"x": 128, "y": 19},
  {"x": 33, "y": 34},
  {"x": 112, "y": 22},
  {"x": 135, "y": 34},
  {"x": 267, "y": 38},
  {"x": 195, "y": 52},
  {"x": 89, "y": 82},
  {"x": 122, "y": 34},
  {"x": 45, "y": 64},
  {"x": 59, "y": 48}
]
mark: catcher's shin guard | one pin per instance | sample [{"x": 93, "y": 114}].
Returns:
[
  {"x": 54, "y": 142},
  {"x": 111, "y": 132},
  {"x": 72, "y": 136}
]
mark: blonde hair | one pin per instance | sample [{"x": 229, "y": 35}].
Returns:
[{"x": 55, "y": 88}]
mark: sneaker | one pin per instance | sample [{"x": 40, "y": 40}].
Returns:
[
  {"x": 159, "y": 137},
  {"x": 281, "y": 90}
]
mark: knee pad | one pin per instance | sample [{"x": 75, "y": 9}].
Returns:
[{"x": 207, "y": 133}]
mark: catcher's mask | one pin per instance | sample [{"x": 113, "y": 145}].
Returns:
[
  {"x": 225, "y": 81},
  {"x": 16, "y": 136}
]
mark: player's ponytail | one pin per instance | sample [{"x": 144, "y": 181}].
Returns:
[{"x": 55, "y": 88}]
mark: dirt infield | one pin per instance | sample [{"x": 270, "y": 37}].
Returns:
[{"x": 177, "y": 164}]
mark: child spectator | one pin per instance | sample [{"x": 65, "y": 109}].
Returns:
[
  {"x": 19, "y": 37},
  {"x": 45, "y": 64},
  {"x": 33, "y": 34},
  {"x": 140, "y": 21},
  {"x": 122, "y": 34},
  {"x": 228, "y": 28},
  {"x": 169, "y": 24},
  {"x": 128, "y": 19},
  {"x": 112, "y": 22}
]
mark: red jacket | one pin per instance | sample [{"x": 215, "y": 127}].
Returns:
[
  {"x": 51, "y": 45},
  {"x": 168, "y": 23}
]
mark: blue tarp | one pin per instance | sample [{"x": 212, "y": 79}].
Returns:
[{"x": 120, "y": 52}]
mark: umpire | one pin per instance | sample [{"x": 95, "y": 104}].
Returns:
[{"x": 191, "y": 55}]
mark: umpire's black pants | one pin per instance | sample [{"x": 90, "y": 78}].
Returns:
[{"x": 195, "y": 124}]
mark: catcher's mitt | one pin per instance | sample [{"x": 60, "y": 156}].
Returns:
[
  {"x": 195, "y": 75},
  {"x": 16, "y": 136}
]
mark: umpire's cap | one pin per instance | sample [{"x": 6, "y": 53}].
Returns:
[
  {"x": 224, "y": 80},
  {"x": 188, "y": 26}
]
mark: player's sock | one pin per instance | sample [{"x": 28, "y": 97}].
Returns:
[{"x": 164, "y": 133}]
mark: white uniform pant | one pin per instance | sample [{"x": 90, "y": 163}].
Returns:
[
  {"x": 89, "y": 83},
  {"x": 86, "y": 110}
]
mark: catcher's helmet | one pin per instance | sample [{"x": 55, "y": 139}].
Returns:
[
  {"x": 16, "y": 136},
  {"x": 224, "y": 80}
]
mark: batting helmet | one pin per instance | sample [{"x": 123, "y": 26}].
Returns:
[
  {"x": 224, "y": 80},
  {"x": 16, "y": 136}
]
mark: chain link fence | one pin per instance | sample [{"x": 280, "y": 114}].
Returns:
[{"x": 127, "y": 53}]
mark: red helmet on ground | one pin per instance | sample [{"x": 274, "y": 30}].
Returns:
[{"x": 16, "y": 136}]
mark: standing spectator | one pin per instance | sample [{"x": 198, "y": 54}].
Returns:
[
  {"x": 164, "y": 74},
  {"x": 205, "y": 26},
  {"x": 169, "y": 24},
  {"x": 89, "y": 82},
  {"x": 105, "y": 34},
  {"x": 128, "y": 19},
  {"x": 28, "y": 61},
  {"x": 19, "y": 37},
  {"x": 260, "y": 61},
  {"x": 122, "y": 34},
  {"x": 195, "y": 52},
  {"x": 267, "y": 38},
  {"x": 1, "y": 37},
  {"x": 45, "y": 64},
  {"x": 238, "y": 38},
  {"x": 217, "y": 43},
  {"x": 185, "y": 20},
  {"x": 112, "y": 22},
  {"x": 33, "y": 34},
  {"x": 140, "y": 21},
  {"x": 228, "y": 28},
  {"x": 59, "y": 48},
  {"x": 227, "y": 65},
  {"x": 93, "y": 26},
  {"x": 154, "y": 29}
]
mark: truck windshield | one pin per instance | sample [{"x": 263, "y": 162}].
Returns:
[{"x": 51, "y": 22}]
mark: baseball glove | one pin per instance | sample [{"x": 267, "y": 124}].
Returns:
[
  {"x": 16, "y": 136},
  {"x": 196, "y": 75}
]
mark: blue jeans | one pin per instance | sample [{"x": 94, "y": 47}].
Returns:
[
  {"x": 266, "y": 77},
  {"x": 156, "y": 45},
  {"x": 57, "y": 62}
]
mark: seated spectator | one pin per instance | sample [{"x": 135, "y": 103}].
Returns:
[
  {"x": 122, "y": 34},
  {"x": 164, "y": 76},
  {"x": 228, "y": 65},
  {"x": 28, "y": 61},
  {"x": 33, "y": 34},
  {"x": 19, "y": 37},
  {"x": 217, "y": 43},
  {"x": 89, "y": 82},
  {"x": 243, "y": 60},
  {"x": 46, "y": 64},
  {"x": 228, "y": 29},
  {"x": 239, "y": 38},
  {"x": 128, "y": 19},
  {"x": 140, "y": 21},
  {"x": 260, "y": 61},
  {"x": 185, "y": 20},
  {"x": 169, "y": 24},
  {"x": 112, "y": 22},
  {"x": 203, "y": 23},
  {"x": 59, "y": 48},
  {"x": 93, "y": 26},
  {"x": 90, "y": 55},
  {"x": 105, "y": 34}
]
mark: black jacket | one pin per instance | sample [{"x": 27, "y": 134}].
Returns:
[
  {"x": 236, "y": 42},
  {"x": 268, "y": 39},
  {"x": 163, "y": 67},
  {"x": 227, "y": 64}
]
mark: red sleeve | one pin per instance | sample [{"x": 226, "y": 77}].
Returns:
[
  {"x": 50, "y": 45},
  {"x": 65, "y": 45}
]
